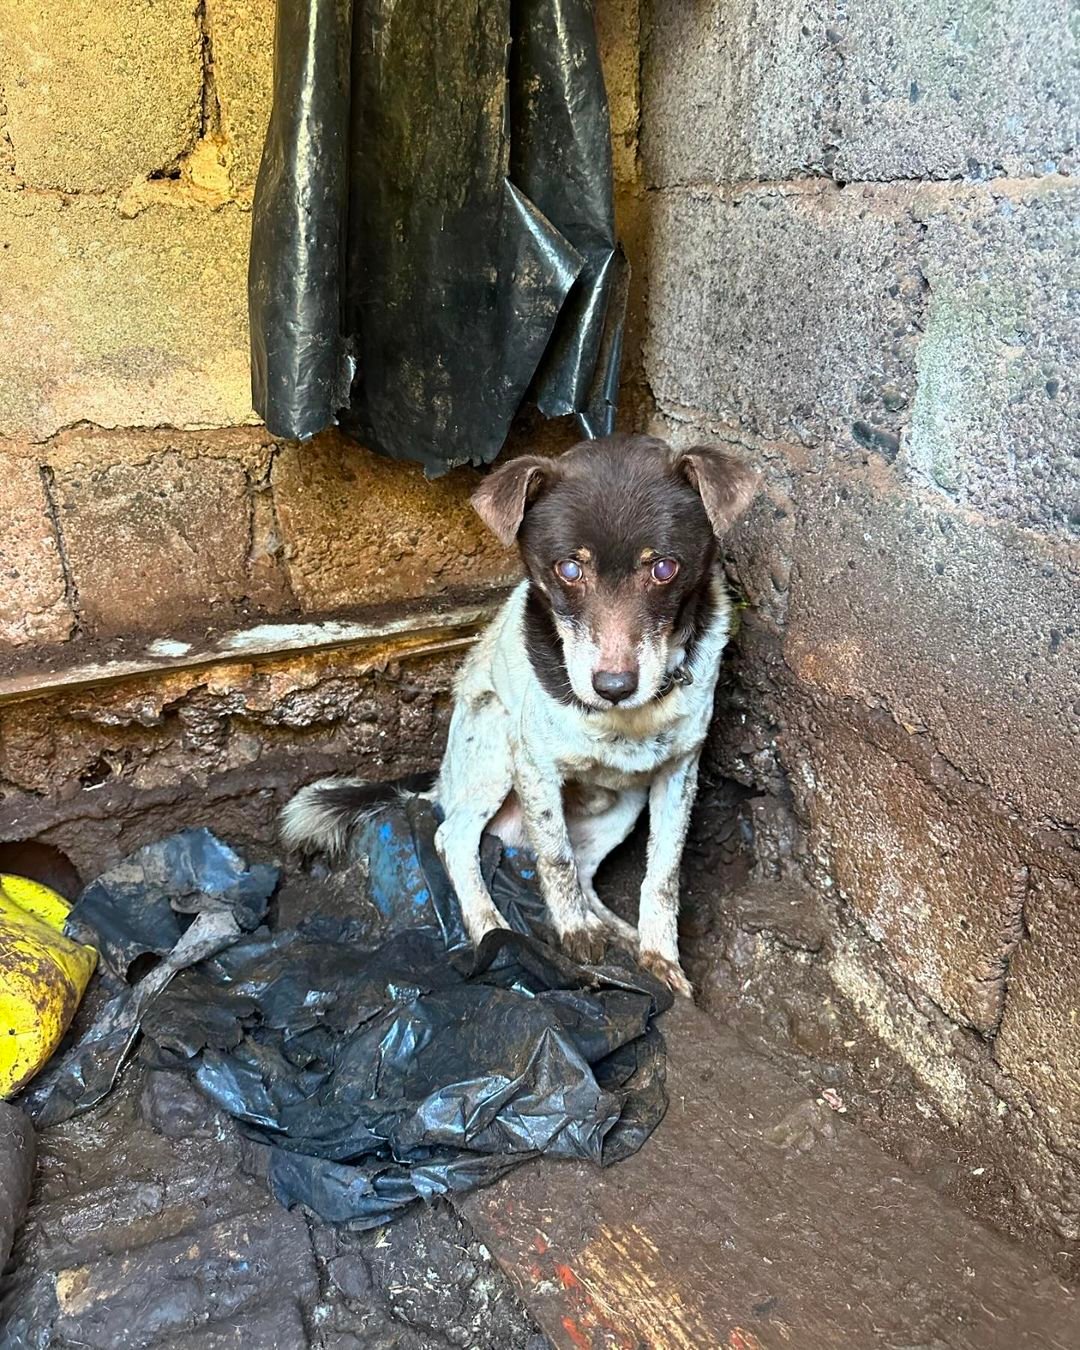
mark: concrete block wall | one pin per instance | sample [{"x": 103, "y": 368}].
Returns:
[
  {"x": 130, "y": 137},
  {"x": 865, "y": 261},
  {"x": 140, "y": 500}
]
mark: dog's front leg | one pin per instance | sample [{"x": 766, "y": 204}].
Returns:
[
  {"x": 539, "y": 790},
  {"x": 671, "y": 799},
  {"x": 475, "y": 777}
]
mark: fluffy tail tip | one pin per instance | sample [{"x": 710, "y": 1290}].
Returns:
[{"x": 322, "y": 816}]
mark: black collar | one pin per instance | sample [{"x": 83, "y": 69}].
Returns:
[{"x": 681, "y": 675}]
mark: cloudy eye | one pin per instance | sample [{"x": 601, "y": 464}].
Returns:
[
  {"x": 664, "y": 570},
  {"x": 568, "y": 570}
]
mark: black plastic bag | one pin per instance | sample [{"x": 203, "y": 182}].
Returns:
[
  {"x": 381, "y": 1061},
  {"x": 433, "y": 230},
  {"x": 141, "y": 906},
  {"x": 165, "y": 907}
]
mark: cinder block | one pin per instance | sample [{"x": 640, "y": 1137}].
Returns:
[
  {"x": 882, "y": 90},
  {"x": 791, "y": 315},
  {"x": 965, "y": 634},
  {"x": 242, "y": 42},
  {"x": 156, "y": 541},
  {"x": 138, "y": 322},
  {"x": 359, "y": 530},
  {"x": 100, "y": 95},
  {"x": 932, "y": 874},
  {"x": 1039, "y": 1040},
  {"x": 996, "y": 415},
  {"x": 940, "y": 90},
  {"x": 33, "y": 598},
  {"x": 736, "y": 90}
]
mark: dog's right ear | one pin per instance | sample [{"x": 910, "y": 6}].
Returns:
[{"x": 502, "y": 498}]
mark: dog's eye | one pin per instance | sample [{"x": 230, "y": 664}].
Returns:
[
  {"x": 568, "y": 570},
  {"x": 664, "y": 570}
]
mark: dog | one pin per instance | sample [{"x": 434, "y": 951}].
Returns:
[{"x": 589, "y": 694}]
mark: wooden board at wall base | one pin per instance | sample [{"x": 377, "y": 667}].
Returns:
[
  {"x": 756, "y": 1219},
  {"x": 408, "y": 632}
]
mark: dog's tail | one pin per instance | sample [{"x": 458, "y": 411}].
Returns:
[{"x": 322, "y": 817}]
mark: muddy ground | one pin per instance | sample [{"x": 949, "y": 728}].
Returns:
[
  {"x": 756, "y": 942},
  {"x": 151, "y": 1224}
]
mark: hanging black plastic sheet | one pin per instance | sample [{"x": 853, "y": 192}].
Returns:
[{"x": 433, "y": 235}]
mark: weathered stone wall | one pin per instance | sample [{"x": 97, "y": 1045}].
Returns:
[
  {"x": 865, "y": 244},
  {"x": 139, "y": 498}
]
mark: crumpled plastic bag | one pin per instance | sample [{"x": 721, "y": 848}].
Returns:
[
  {"x": 179, "y": 901},
  {"x": 383, "y": 1063},
  {"x": 141, "y": 906}
]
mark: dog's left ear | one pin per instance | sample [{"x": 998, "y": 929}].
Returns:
[
  {"x": 725, "y": 483},
  {"x": 502, "y": 498}
]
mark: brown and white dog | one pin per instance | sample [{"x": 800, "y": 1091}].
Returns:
[{"x": 591, "y": 692}]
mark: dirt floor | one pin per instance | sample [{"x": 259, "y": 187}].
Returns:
[
  {"x": 151, "y": 1224},
  {"x": 757, "y": 952}
]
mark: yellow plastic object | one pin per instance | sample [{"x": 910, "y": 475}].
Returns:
[{"x": 43, "y": 976}]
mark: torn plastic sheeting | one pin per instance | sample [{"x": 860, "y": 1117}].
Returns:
[
  {"x": 143, "y": 905},
  {"x": 398, "y": 1073},
  {"x": 181, "y": 900},
  {"x": 90, "y": 1070},
  {"x": 360, "y": 1197},
  {"x": 382, "y": 1074},
  {"x": 433, "y": 227},
  {"x": 382, "y": 1065}
]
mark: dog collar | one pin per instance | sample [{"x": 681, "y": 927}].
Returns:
[{"x": 681, "y": 675}]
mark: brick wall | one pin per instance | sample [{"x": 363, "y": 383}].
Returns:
[
  {"x": 865, "y": 243},
  {"x": 139, "y": 499}
]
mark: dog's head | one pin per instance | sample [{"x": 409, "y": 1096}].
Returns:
[{"x": 618, "y": 537}]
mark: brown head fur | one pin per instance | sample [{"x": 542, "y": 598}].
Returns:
[{"x": 616, "y": 508}]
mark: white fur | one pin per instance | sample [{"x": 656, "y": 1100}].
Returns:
[{"x": 507, "y": 733}]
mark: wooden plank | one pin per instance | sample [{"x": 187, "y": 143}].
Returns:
[
  {"x": 756, "y": 1219},
  {"x": 416, "y": 632}
]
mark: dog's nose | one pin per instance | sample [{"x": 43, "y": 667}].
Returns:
[{"x": 615, "y": 685}]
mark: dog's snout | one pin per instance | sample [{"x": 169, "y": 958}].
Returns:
[{"x": 615, "y": 685}]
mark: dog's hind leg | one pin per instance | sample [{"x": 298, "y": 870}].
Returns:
[{"x": 593, "y": 838}]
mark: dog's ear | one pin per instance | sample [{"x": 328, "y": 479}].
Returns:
[
  {"x": 725, "y": 483},
  {"x": 502, "y": 498}
]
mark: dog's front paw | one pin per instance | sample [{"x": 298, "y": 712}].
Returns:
[
  {"x": 481, "y": 921},
  {"x": 585, "y": 945},
  {"x": 667, "y": 970}
]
